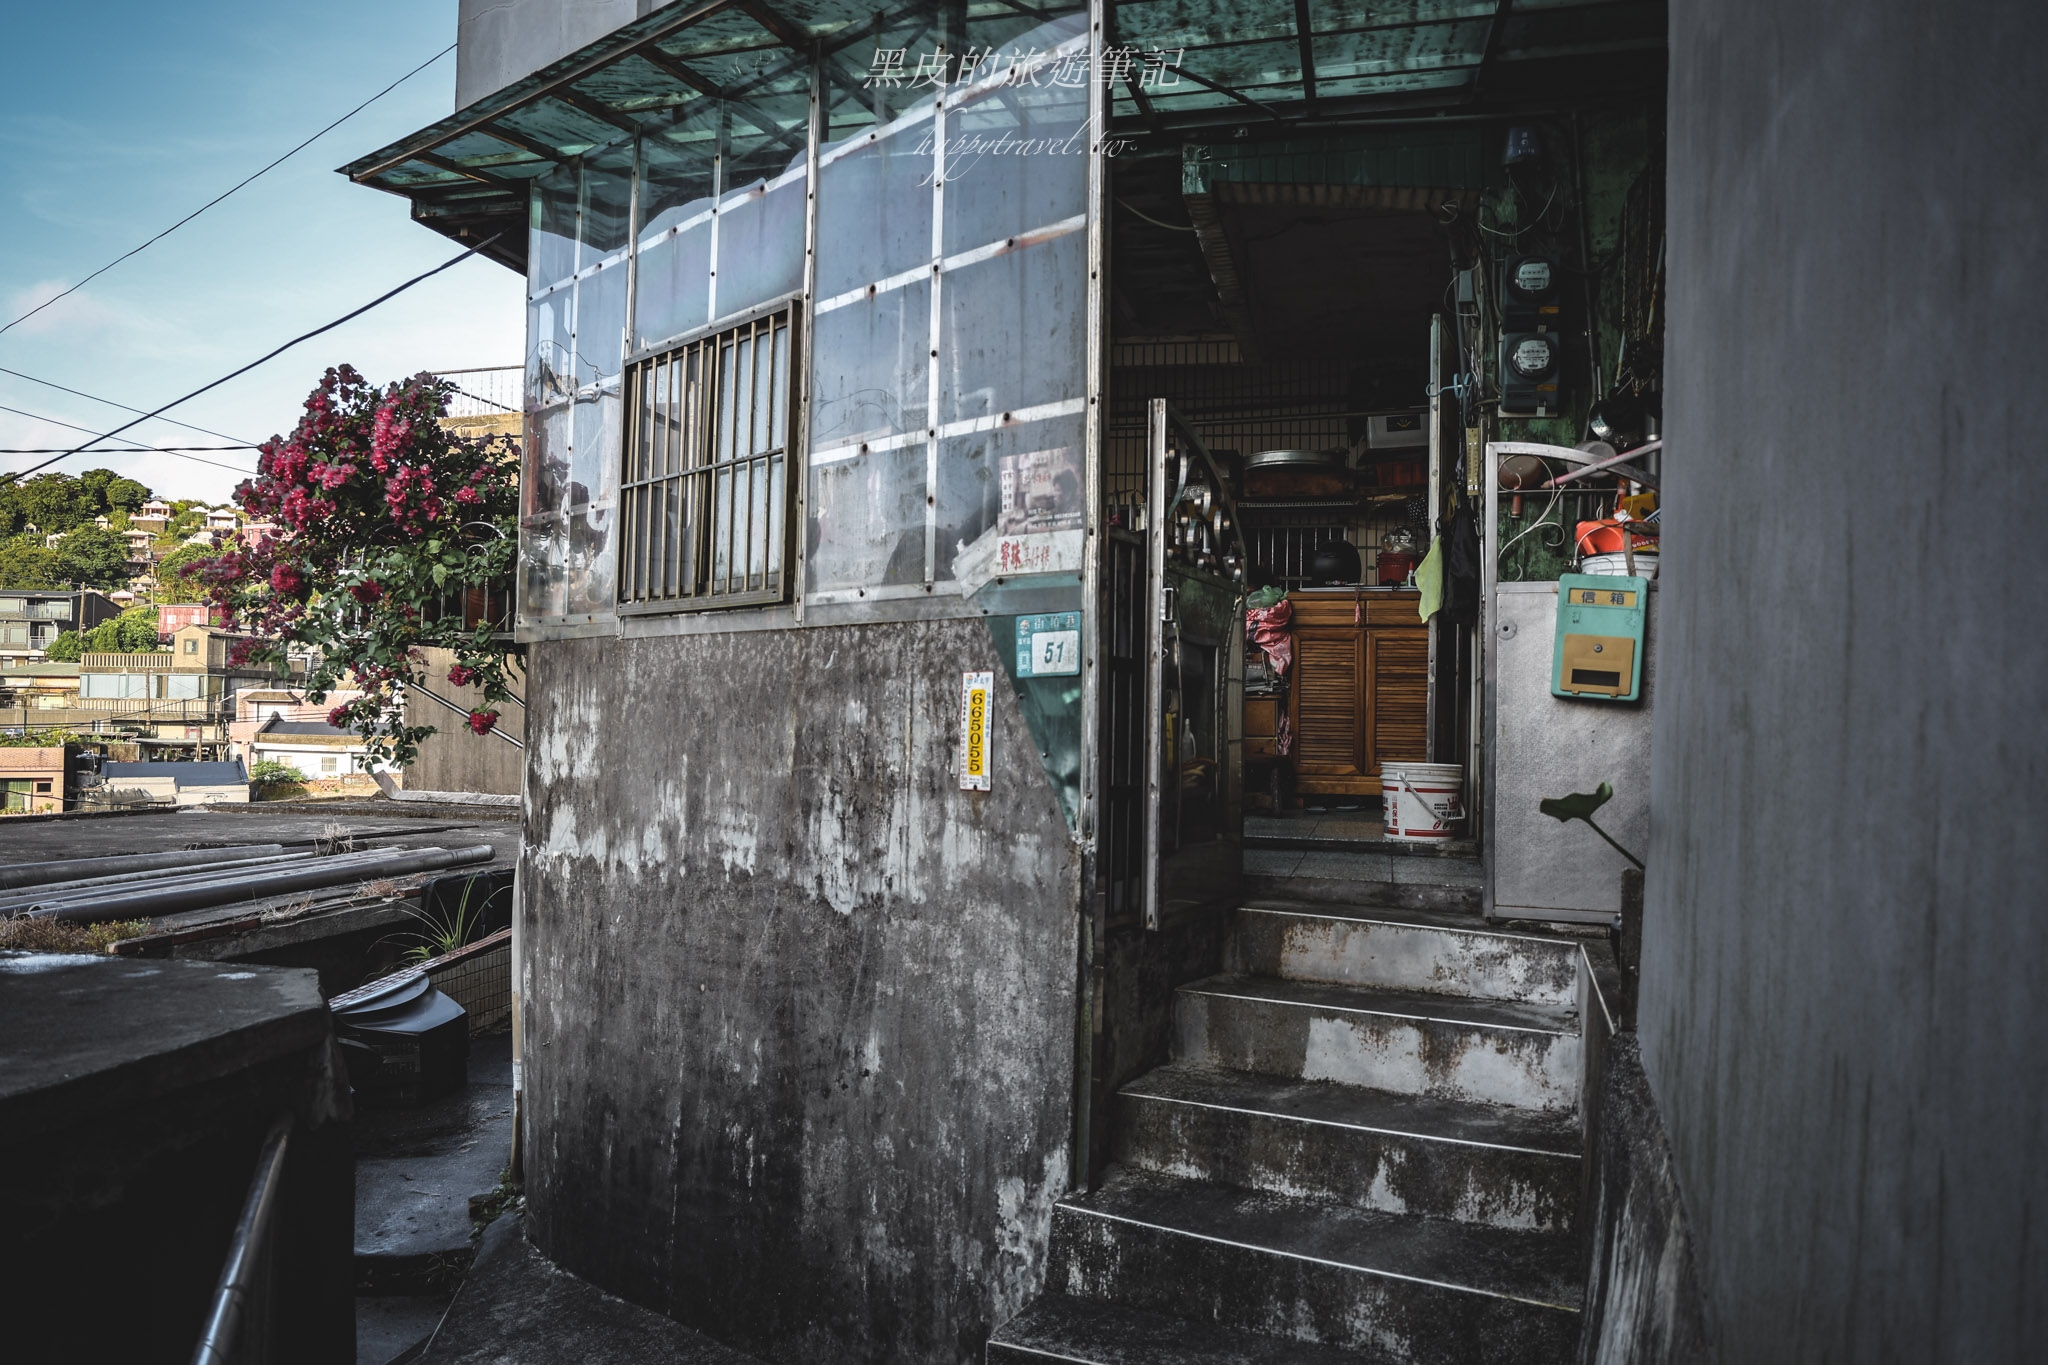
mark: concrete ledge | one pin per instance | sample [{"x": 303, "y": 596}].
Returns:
[{"x": 517, "y": 1308}]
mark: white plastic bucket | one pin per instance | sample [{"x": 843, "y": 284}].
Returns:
[
  {"x": 1616, "y": 565},
  {"x": 1423, "y": 800}
]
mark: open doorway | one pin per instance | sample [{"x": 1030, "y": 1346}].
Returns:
[{"x": 1290, "y": 314}]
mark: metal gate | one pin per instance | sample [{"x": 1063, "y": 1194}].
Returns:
[{"x": 1173, "y": 687}]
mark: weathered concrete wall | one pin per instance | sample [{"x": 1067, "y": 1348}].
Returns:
[
  {"x": 799, "y": 1013},
  {"x": 452, "y": 759},
  {"x": 1842, "y": 1004},
  {"x": 501, "y": 41},
  {"x": 1643, "y": 1304}
]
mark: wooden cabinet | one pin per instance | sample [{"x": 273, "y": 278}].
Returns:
[
  {"x": 1360, "y": 690},
  {"x": 1261, "y": 727}
]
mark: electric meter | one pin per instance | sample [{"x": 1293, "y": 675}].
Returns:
[
  {"x": 1531, "y": 373},
  {"x": 1531, "y": 294},
  {"x": 1534, "y": 357}
]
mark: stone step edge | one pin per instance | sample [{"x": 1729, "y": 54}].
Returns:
[
  {"x": 1416, "y": 1133},
  {"x": 1568, "y": 1026},
  {"x": 1396, "y": 848},
  {"x": 1256, "y": 1249},
  {"x": 1116, "y": 1318},
  {"x": 1390, "y": 915}
]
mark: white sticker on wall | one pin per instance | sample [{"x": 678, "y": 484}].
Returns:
[{"x": 976, "y": 691}]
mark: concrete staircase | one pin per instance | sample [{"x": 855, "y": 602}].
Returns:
[{"x": 1366, "y": 1147}]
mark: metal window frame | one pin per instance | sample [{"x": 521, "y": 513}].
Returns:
[{"x": 698, "y": 472}]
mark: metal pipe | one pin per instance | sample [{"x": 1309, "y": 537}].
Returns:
[
  {"x": 66, "y": 869},
  {"x": 155, "y": 901},
  {"x": 39, "y": 900},
  {"x": 57, "y": 890},
  {"x": 217, "y": 1342},
  {"x": 1614, "y": 463}
]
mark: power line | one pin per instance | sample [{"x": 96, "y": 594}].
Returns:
[
  {"x": 81, "y": 393},
  {"x": 114, "y": 450},
  {"x": 137, "y": 447},
  {"x": 224, "y": 194},
  {"x": 271, "y": 355}
]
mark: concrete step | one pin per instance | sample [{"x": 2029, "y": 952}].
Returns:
[
  {"x": 1057, "y": 1328},
  {"x": 1359, "y": 878},
  {"x": 1403, "y": 950},
  {"x": 1338, "y": 834},
  {"x": 1411, "y": 1042},
  {"x": 1421, "y": 1291},
  {"x": 1470, "y": 1163}
]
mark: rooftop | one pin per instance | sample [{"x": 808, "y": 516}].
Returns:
[{"x": 187, "y": 774}]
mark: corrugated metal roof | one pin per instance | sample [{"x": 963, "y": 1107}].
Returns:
[
  {"x": 317, "y": 729},
  {"x": 187, "y": 774}
]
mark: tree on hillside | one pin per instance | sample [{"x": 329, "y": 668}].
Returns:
[
  {"x": 94, "y": 557},
  {"x": 65, "y": 649},
  {"x": 175, "y": 580},
  {"x": 24, "y": 563},
  {"x": 53, "y": 502},
  {"x": 125, "y": 495},
  {"x": 134, "y": 631}
]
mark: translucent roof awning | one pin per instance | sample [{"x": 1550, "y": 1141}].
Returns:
[
  {"x": 1171, "y": 65},
  {"x": 468, "y": 175}
]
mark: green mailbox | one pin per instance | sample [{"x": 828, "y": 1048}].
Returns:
[{"x": 1599, "y": 652}]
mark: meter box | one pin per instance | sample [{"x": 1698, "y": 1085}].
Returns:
[{"x": 1599, "y": 654}]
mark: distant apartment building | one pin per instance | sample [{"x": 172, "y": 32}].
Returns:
[
  {"x": 224, "y": 520},
  {"x": 38, "y": 781},
  {"x": 153, "y": 516},
  {"x": 180, "y": 696},
  {"x": 173, "y": 617},
  {"x": 31, "y": 619},
  {"x": 314, "y": 747},
  {"x": 29, "y": 689}
]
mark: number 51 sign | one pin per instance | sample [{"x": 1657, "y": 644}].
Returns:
[{"x": 1049, "y": 646}]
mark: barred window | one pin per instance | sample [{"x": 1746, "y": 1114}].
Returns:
[{"x": 706, "y": 488}]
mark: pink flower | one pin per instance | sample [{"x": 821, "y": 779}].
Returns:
[
  {"x": 460, "y": 676},
  {"x": 367, "y": 593},
  {"x": 481, "y": 722},
  {"x": 338, "y": 717},
  {"x": 285, "y": 579}
]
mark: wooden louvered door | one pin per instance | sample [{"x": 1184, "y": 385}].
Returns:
[
  {"x": 1359, "y": 695},
  {"x": 1325, "y": 710},
  {"x": 1397, "y": 710}
]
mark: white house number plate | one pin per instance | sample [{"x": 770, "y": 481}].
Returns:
[{"x": 1049, "y": 646}]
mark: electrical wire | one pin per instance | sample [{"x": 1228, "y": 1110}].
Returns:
[
  {"x": 134, "y": 447},
  {"x": 270, "y": 355},
  {"x": 1155, "y": 222},
  {"x": 225, "y": 193},
  {"x": 81, "y": 393}
]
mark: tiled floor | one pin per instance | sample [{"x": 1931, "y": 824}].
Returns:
[
  {"x": 1353, "y": 832},
  {"x": 1364, "y": 823}
]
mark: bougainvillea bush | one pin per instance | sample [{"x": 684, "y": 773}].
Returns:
[{"x": 384, "y": 518}]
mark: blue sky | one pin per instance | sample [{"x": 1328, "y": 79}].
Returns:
[{"x": 118, "y": 119}]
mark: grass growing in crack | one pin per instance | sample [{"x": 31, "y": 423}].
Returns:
[
  {"x": 457, "y": 929},
  {"x": 487, "y": 1210},
  {"x": 59, "y": 936}
]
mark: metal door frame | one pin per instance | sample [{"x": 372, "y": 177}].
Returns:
[{"x": 1168, "y": 435}]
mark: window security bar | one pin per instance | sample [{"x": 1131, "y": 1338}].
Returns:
[{"x": 706, "y": 489}]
